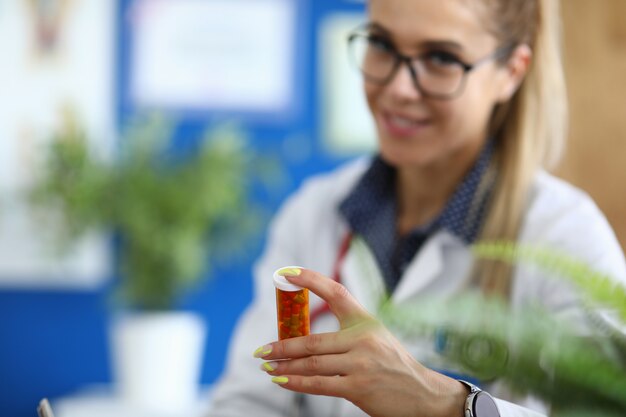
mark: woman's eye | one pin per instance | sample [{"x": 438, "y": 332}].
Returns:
[
  {"x": 441, "y": 58},
  {"x": 380, "y": 44}
]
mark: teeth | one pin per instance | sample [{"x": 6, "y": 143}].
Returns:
[{"x": 402, "y": 122}]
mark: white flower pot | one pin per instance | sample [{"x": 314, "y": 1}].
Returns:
[{"x": 157, "y": 358}]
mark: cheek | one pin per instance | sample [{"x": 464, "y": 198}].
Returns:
[
  {"x": 483, "y": 93},
  {"x": 372, "y": 93},
  {"x": 473, "y": 109},
  {"x": 450, "y": 114},
  {"x": 461, "y": 120}
]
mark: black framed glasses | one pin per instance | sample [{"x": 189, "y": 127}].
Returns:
[{"x": 437, "y": 73}]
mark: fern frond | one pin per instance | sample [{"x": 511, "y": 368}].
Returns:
[{"x": 600, "y": 288}]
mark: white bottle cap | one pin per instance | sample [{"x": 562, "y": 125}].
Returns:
[{"x": 281, "y": 282}]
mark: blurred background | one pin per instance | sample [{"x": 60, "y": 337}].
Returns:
[{"x": 275, "y": 68}]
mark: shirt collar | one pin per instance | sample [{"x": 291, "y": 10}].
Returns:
[{"x": 370, "y": 208}]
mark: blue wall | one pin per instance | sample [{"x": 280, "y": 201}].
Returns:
[{"x": 54, "y": 343}]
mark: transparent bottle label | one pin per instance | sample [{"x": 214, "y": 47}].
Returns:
[{"x": 292, "y": 310}]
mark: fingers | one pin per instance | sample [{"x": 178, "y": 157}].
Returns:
[
  {"x": 343, "y": 305},
  {"x": 299, "y": 347},
  {"x": 334, "y": 386},
  {"x": 323, "y": 365}
]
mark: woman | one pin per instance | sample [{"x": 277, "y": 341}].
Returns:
[{"x": 469, "y": 103}]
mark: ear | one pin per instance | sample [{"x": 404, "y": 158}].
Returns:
[{"x": 515, "y": 70}]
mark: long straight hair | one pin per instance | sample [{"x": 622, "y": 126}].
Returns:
[{"x": 529, "y": 129}]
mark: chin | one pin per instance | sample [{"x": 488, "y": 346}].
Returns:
[
  {"x": 405, "y": 155},
  {"x": 404, "y": 159}
]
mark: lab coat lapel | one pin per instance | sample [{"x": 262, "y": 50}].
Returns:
[
  {"x": 361, "y": 276},
  {"x": 425, "y": 267}
]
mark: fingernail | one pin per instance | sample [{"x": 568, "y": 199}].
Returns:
[
  {"x": 262, "y": 351},
  {"x": 280, "y": 380},
  {"x": 269, "y": 366},
  {"x": 289, "y": 272}
]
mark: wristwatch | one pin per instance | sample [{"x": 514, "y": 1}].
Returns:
[{"x": 479, "y": 403}]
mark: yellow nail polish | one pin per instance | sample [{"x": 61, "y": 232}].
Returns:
[
  {"x": 267, "y": 366},
  {"x": 262, "y": 351},
  {"x": 289, "y": 272},
  {"x": 280, "y": 380}
]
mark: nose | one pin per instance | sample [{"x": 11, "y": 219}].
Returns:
[{"x": 403, "y": 82}]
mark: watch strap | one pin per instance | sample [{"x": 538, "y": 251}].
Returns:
[
  {"x": 479, "y": 403},
  {"x": 468, "y": 409}
]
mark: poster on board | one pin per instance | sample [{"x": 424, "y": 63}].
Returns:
[
  {"x": 224, "y": 55},
  {"x": 57, "y": 55}
]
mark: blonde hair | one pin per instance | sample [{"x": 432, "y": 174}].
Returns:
[{"x": 530, "y": 129}]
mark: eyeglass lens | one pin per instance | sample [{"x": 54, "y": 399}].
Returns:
[{"x": 378, "y": 61}]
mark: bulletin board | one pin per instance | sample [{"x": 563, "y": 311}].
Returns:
[
  {"x": 271, "y": 65},
  {"x": 290, "y": 105}
]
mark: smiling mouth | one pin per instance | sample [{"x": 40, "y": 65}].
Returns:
[{"x": 403, "y": 126}]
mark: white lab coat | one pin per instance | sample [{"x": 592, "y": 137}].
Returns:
[{"x": 308, "y": 231}]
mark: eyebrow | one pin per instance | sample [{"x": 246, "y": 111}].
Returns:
[{"x": 429, "y": 44}]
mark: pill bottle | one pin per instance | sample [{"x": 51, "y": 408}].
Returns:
[{"x": 292, "y": 308}]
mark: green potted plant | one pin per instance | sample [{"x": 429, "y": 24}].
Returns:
[{"x": 170, "y": 216}]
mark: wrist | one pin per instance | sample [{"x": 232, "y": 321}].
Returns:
[{"x": 449, "y": 396}]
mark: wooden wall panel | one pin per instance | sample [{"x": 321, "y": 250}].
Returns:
[{"x": 594, "y": 34}]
